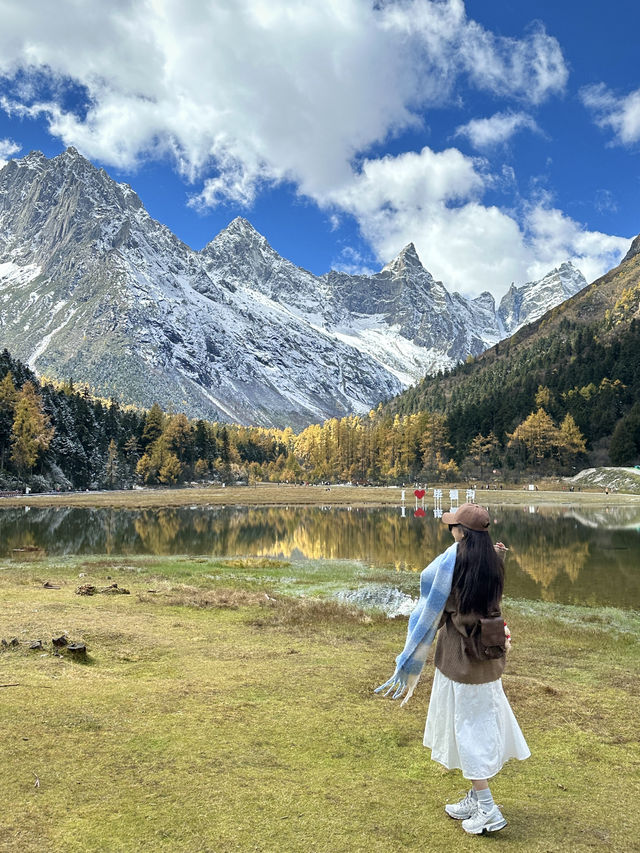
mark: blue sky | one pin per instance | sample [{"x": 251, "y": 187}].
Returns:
[{"x": 501, "y": 138}]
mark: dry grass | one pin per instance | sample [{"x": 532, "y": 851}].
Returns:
[
  {"x": 254, "y": 563},
  {"x": 277, "y": 494},
  {"x": 214, "y": 719},
  {"x": 212, "y": 599},
  {"x": 305, "y": 615},
  {"x": 311, "y": 616}
]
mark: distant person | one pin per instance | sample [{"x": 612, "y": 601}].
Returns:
[{"x": 470, "y": 725}]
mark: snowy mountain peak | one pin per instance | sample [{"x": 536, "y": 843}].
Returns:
[
  {"x": 410, "y": 254},
  {"x": 238, "y": 237},
  {"x": 527, "y": 303},
  {"x": 566, "y": 276},
  {"x": 92, "y": 287},
  {"x": 241, "y": 227},
  {"x": 71, "y": 158},
  {"x": 75, "y": 167},
  {"x": 408, "y": 258},
  {"x": 72, "y": 153},
  {"x": 486, "y": 301}
]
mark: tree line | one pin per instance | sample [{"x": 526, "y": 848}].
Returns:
[{"x": 58, "y": 436}]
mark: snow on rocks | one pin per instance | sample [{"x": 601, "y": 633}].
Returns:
[
  {"x": 391, "y": 601},
  {"x": 234, "y": 332}
]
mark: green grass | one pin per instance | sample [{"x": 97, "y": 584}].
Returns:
[{"x": 210, "y": 717}]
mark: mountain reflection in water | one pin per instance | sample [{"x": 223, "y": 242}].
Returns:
[{"x": 569, "y": 554}]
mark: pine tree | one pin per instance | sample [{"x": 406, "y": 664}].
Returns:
[
  {"x": 478, "y": 451},
  {"x": 111, "y": 470},
  {"x": 434, "y": 443},
  {"x": 539, "y": 435},
  {"x": 543, "y": 397},
  {"x": 622, "y": 450},
  {"x": 31, "y": 433},
  {"x": 625, "y": 441},
  {"x": 572, "y": 442},
  {"x": 171, "y": 470},
  {"x": 178, "y": 437},
  {"x": 8, "y": 399},
  {"x": 153, "y": 426},
  {"x": 131, "y": 448},
  {"x": 225, "y": 456}
]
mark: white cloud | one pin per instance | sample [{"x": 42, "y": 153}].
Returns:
[
  {"x": 432, "y": 200},
  {"x": 485, "y": 133},
  {"x": 530, "y": 69},
  {"x": 352, "y": 262},
  {"x": 410, "y": 181},
  {"x": 435, "y": 201},
  {"x": 7, "y": 149},
  {"x": 555, "y": 237},
  {"x": 605, "y": 201},
  {"x": 620, "y": 114},
  {"x": 244, "y": 91}
]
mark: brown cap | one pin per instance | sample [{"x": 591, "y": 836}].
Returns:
[{"x": 470, "y": 515}]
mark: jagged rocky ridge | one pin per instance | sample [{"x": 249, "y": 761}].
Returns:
[{"x": 91, "y": 287}]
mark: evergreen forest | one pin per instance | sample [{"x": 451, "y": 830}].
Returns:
[{"x": 563, "y": 401}]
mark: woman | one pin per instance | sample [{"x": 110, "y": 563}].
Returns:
[{"x": 470, "y": 725}]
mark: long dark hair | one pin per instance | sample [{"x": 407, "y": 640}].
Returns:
[{"x": 478, "y": 575}]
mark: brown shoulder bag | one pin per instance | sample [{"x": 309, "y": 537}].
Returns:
[{"x": 487, "y": 640}]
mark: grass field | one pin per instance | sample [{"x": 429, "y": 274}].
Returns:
[
  {"x": 281, "y": 494},
  {"x": 214, "y": 713}
]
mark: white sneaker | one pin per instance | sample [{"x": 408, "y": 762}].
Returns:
[
  {"x": 465, "y": 808},
  {"x": 482, "y": 821}
]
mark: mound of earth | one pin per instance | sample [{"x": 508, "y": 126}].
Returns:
[{"x": 614, "y": 479}]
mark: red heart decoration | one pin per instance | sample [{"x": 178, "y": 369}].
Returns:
[
  {"x": 419, "y": 513},
  {"x": 419, "y": 493}
]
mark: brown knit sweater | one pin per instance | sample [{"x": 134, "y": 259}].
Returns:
[{"x": 450, "y": 657}]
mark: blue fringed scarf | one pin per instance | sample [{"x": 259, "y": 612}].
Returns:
[{"x": 435, "y": 586}]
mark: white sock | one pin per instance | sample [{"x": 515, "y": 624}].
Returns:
[{"x": 485, "y": 800}]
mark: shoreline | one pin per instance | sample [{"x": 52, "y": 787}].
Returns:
[
  {"x": 317, "y": 579},
  {"x": 276, "y": 494}
]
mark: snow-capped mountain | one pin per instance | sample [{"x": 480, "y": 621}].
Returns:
[
  {"x": 93, "y": 288},
  {"x": 400, "y": 317},
  {"x": 527, "y": 303}
]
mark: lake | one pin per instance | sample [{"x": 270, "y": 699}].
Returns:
[{"x": 571, "y": 555}]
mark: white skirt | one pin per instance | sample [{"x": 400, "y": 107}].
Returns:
[{"x": 471, "y": 727}]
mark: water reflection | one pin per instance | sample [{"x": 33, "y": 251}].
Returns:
[
  {"x": 571, "y": 555},
  {"x": 611, "y": 517}
]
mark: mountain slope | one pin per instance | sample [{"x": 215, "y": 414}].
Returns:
[
  {"x": 91, "y": 287},
  {"x": 586, "y": 352},
  {"x": 400, "y": 317}
]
